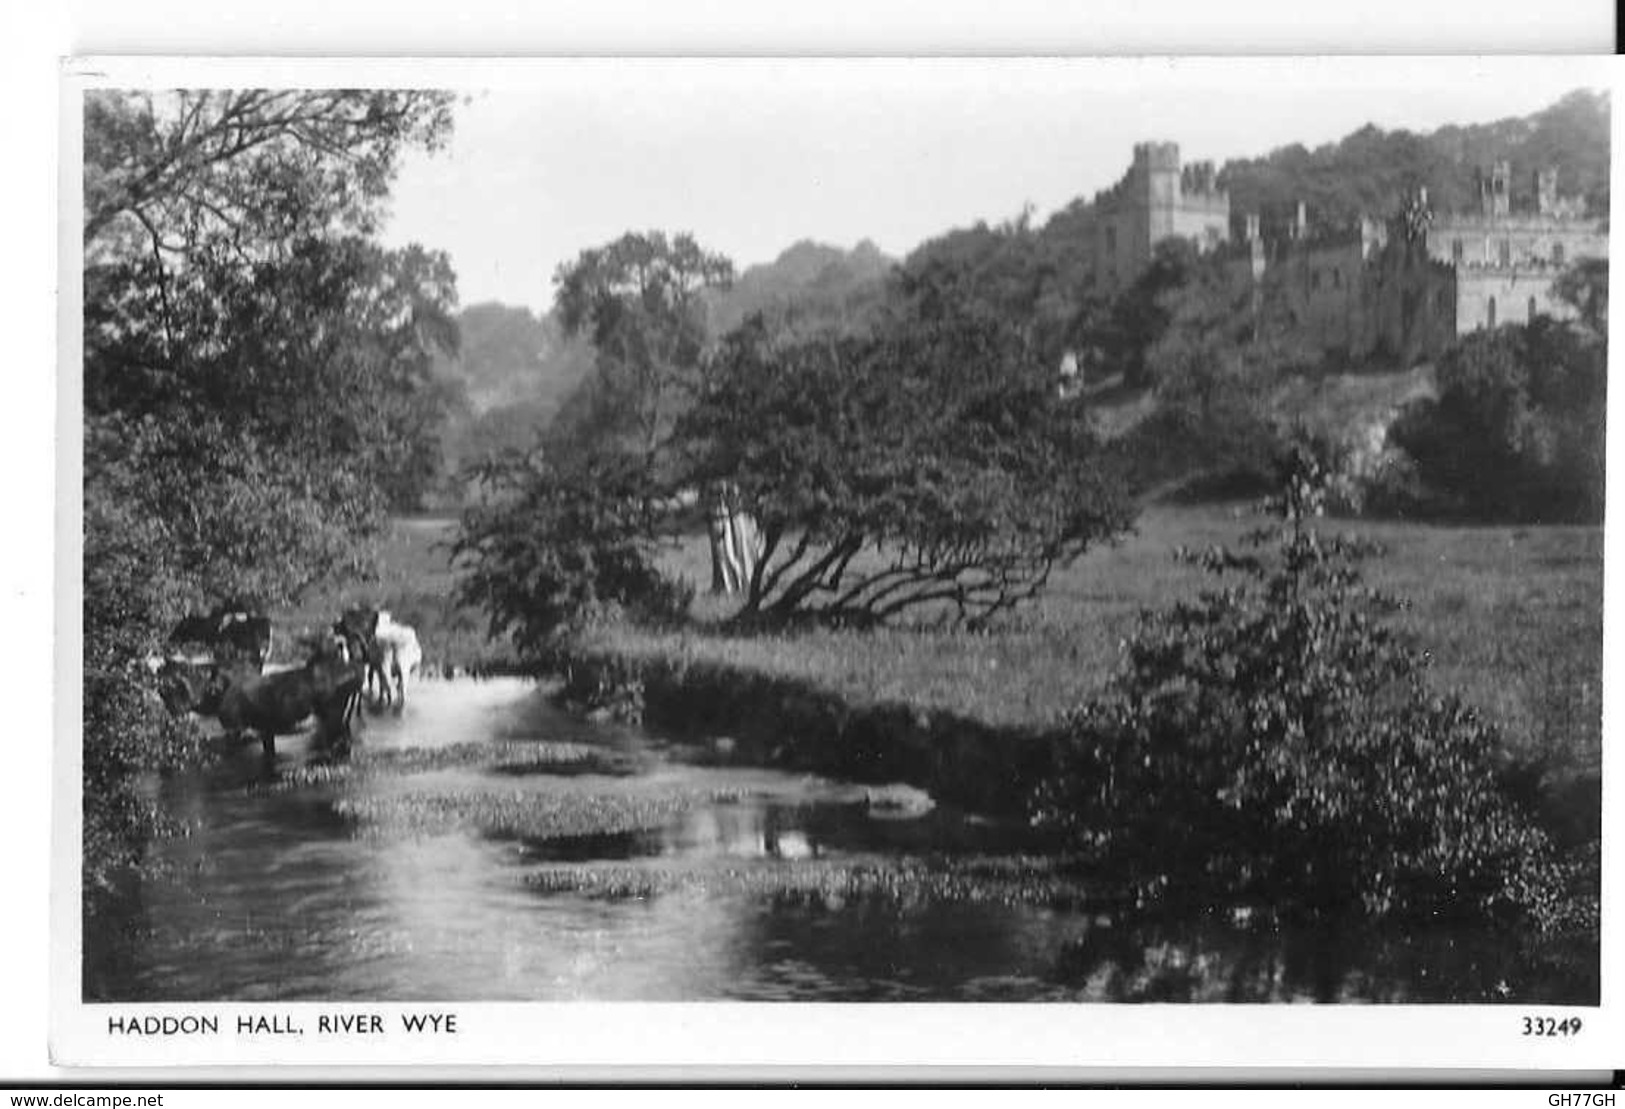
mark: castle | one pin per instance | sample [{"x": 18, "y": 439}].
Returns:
[
  {"x": 1157, "y": 199},
  {"x": 1399, "y": 289}
]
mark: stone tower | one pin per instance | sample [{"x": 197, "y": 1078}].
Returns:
[
  {"x": 1546, "y": 191},
  {"x": 1159, "y": 162},
  {"x": 1495, "y": 191}
]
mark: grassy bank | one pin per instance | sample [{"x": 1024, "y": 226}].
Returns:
[{"x": 1512, "y": 617}]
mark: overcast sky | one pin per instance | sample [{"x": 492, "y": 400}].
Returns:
[{"x": 753, "y": 155}]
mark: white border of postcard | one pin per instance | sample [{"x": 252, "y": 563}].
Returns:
[{"x": 801, "y": 1036}]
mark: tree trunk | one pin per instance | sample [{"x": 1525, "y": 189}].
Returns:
[{"x": 736, "y": 541}]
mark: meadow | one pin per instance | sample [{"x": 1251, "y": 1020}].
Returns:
[{"x": 1512, "y": 618}]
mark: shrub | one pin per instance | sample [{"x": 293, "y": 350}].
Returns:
[
  {"x": 1273, "y": 738},
  {"x": 1516, "y": 432},
  {"x": 554, "y": 546}
]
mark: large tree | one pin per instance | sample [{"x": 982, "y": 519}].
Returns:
[
  {"x": 642, "y": 300},
  {"x": 256, "y": 380},
  {"x": 929, "y": 466}
]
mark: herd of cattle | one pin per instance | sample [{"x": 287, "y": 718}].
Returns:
[{"x": 217, "y": 665}]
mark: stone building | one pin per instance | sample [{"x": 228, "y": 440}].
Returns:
[
  {"x": 1397, "y": 290},
  {"x": 1156, "y": 199},
  {"x": 1506, "y": 262},
  {"x": 1401, "y": 291},
  {"x": 1370, "y": 293}
]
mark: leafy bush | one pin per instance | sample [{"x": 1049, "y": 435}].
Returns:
[
  {"x": 554, "y": 545},
  {"x": 1516, "y": 433},
  {"x": 1274, "y": 739}
]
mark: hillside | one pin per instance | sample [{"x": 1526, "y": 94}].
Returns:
[
  {"x": 810, "y": 286},
  {"x": 1369, "y": 170}
]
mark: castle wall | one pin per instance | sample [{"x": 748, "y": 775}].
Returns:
[
  {"x": 1360, "y": 299},
  {"x": 1321, "y": 288},
  {"x": 1493, "y": 297},
  {"x": 1517, "y": 240}
]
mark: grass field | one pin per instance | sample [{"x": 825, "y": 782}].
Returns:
[{"x": 1512, "y": 616}]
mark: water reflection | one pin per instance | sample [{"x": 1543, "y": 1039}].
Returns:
[{"x": 758, "y": 885}]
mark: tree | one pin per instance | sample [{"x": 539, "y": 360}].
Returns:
[
  {"x": 1274, "y": 738},
  {"x": 1584, "y": 287},
  {"x": 1517, "y": 429},
  {"x": 927, "y": 466},
  {"x": 1140, "y": 314},
  {"x": 256, "y": 383},
  {"x": 555, "y": 544},
  {"x": 641, "y": 301}
]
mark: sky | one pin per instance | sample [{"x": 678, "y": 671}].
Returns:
[{"x": 753, "y": 155}]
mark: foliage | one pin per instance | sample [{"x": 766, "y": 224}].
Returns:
[
  {"x": 1030, "y": 279},
  {"x": 1140, "y": 315},
  {"x": 928, "y": 464},
  {"x": 641, "y": 301},
  {"x": 257, "y": 380},
  {"x": 1276, "y": 739},
  {"x": 1584, "y": 286},
  {"x": 1367, "y": 169},
  {"x": 554, "y": 545},
  {"x": 1516, "y": 432},
  {"x": 809, "y": 289}
]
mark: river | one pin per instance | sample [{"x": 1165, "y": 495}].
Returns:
[{"x": 484, "y": 845}]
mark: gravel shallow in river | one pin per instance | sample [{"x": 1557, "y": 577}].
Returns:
[
  {"x": 514, "y": 759},
  {"x": 1011, "y": 881},
  {"x": 525, "y": 815}
]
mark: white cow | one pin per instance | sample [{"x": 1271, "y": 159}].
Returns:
[{"x": 400, "y": 656}]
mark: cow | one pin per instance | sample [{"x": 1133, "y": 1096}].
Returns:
[
  {"x": 358, "y": 628},
  {"x": 190, "y": 684},
  {"x": 278, "y": 704},
  {"x": 400, "y": 655},
  {"x": 229, "y": 634}
]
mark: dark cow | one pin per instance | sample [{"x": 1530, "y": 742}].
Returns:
[
  {"x": 277, "y": 704},
  {"x": 358, "y": 627},
  {"x": 191, "y": 685},
  {"x": 230, "y": 635}
]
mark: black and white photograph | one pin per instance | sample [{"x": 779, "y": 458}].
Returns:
[{"x": 1019, "y": 538}]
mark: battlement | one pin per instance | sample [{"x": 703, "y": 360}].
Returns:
[{"x": 1163, "y": 156}]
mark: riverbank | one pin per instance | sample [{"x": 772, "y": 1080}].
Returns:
[
  {"x": 773, "y": 720},
  {"x": 1511, "y": 617}
]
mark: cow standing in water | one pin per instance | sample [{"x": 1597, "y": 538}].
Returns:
[
  {"x": 206, "y": 654},
  {"x": 270, "y": 705},
  {"x": 230, "y": 635},
  {"x": 400, "y": 655},
  {"x": 389, "y": 651},
  {"x": 358, "y": 628}
]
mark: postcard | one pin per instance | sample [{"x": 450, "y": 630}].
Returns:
[{"x": 812, "y": 562}]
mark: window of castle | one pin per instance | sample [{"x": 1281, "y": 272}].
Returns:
[
  {"x": 1456, "y": 251},
  {"x": 1490, "y": 315}
]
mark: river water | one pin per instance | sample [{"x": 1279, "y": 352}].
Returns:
[{"x": 485, "y": 846}]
